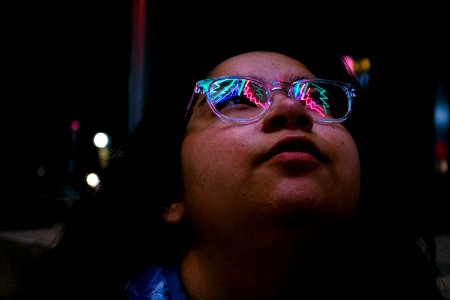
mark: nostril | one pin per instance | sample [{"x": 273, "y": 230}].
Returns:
[
  {"x": 302, "y": 121},
  {"x": 278, "y": 121}
]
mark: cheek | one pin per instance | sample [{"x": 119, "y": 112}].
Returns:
[
  {"x": 348, "y": 163},
  {"x": 211, "y": 158},
  {"x": 350, "y": 156},
  {"x": 210, "y": 166},
  {"x": 343, "y": 149}
]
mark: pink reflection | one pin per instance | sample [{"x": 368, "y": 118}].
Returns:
[
  {"x": 309, "y": 102},
  {"x": 248, "y": 93}
]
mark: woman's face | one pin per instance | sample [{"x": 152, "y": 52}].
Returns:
[{"x": 282, "y": 169}]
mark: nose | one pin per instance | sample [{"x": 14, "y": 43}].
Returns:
[{"x": 286, "y": 113}]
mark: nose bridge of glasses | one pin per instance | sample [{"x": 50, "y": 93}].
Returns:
[{"x": 280, "y": 86}]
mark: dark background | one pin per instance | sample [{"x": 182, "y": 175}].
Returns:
[{"x": 72, "y": 61}]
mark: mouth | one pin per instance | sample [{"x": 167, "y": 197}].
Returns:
[{"x": 300, "y": 145}]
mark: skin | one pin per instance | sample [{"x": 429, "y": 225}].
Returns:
[{"x": 256, "y": 216}]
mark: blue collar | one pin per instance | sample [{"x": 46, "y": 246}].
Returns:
[{"x": 156, "y": 283}]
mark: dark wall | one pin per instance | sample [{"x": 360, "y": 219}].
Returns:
[{"x": 65, "y": 61}]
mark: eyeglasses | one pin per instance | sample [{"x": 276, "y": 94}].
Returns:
[{"x": 245, "y": 100}]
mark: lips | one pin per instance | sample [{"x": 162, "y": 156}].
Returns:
[{"x": 294, "y": 144}]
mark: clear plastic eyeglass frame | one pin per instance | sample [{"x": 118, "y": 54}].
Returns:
[{"x": 238, "y": 85}]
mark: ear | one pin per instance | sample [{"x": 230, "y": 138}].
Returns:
[{"x": 174, "y": 213}]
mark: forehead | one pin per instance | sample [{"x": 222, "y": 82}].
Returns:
[{"x": 269, "y": 66}]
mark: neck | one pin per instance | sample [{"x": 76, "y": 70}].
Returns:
[{"x": 253, "y": 266}]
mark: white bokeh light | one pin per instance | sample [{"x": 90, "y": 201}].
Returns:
[
  {"x": 101, "y": 140},
  {"x": 92, "y": 180}
]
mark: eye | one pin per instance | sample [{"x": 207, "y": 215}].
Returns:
[
  {"x": 323, "y": 99},
  {"x": 237, "y": 94},
  {"x": 235, "y": 102}
]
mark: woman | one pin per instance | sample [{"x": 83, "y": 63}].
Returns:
[{"x": 250, "y": 191}]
